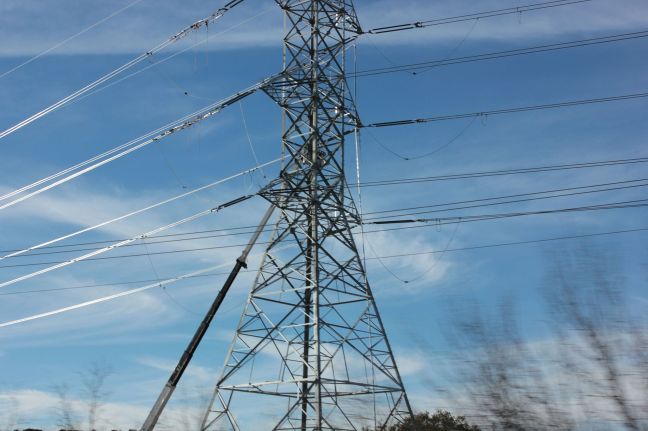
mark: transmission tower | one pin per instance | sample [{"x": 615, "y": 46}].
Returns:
[{"x": 310, "y": 351}]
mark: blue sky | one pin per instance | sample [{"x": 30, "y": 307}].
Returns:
[{"x": 143, "y": 335}]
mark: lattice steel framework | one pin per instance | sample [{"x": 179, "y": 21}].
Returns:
[{"x": 310, "y": 351}]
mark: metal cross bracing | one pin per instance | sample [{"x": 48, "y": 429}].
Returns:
[{"x": 310, "y": 351}]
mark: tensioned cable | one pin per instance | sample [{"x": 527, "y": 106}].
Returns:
[
  {"x": 512, "y": 243},
  {"x": 131, "y": 146},
  {"x": 603, "y": 187},
  {"x": 509, "y": 110},
  {"x": 438, "y": 221},
  {"x": 163, "y": 241},
  {"x": 384, "y": 213},
  {"x": 375, "y": 212},
  {"x": 169, "y": 57},
  {"x": 127, "y": 241},
  {"x": 501, "y": 54},
  {"x": 136, "y": 212},
  {"x": 143, "y": 254},
  {"x": 219, "y": 274},
  {"x": 121, "y": 283},
  {"x": 474, "y": 16},
  {"x": 485, "y": 174},
  {"x": 111, "y": 297},
  {"x": 162, "y": 283},
  {"x": 198, "y": 24},
  {"x": 69, "y": 39},
  {"x": 637, "y": 203},
  {"x": 243, "y": 230}
]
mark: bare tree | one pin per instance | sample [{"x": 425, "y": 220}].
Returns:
[
  {"x": 589, "y": 372},
  {"x": 93, "y": 381},
  {"x": 66, "y": 417},
  {"x": 589, "y": 297},
  {"x": 91, "y": 391}
]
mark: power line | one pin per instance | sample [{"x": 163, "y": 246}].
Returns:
[
  {"x": 109, "y": 297},
  {"x": 500, "y": 54},
  {"x": 167, "y": 58},
  {"x": 638, "y": 203},
  {"x": 244, "y": 230},
  {"x": 526, "y": 199},
  {"x": 113, "y": 246},
  {"x": 69, "y": 39},
  {"x": 438, "y": 222},
  {"x": 502, "y": 172},
  {"x": 449, "y": 250},
  {"x": 474, "y": 16},
  {"x": 111, "y": 284},
  {"x": 124, "y": 256},
  {"x": 129, "y": 147},
  {"x": 171, "y": 235},
  {"x": 134, "y": 213},
  {"x": 509, "y": 110},
  {"x": 512, "y": 243},
  {"x": 198, "y": 24},
  {"x": 429, "y": 153}
]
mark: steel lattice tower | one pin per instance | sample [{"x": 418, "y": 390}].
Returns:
[{"x": 310, "y": 351}]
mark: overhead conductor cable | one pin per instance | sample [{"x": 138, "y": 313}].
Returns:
[
  {"x": 198, "y": 24},
  {"x": 128, "y": 241},
  {"x": 474, "y": 16},
  {"x": 139, "y": 211},
  {"x": 509, "y": 110},
  {"x": 74, "y": 36},
  {"x": 131, "y": 146}
]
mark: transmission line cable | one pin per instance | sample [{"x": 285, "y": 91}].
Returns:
[
  {"x": 69, "y": 39},
  {"x": 637, "y": 203},
  {"x": 167, "y": 58},
  {"x": 618, "y": 186},
  {"x": 198, "y": 24},
  {"x": 173, "y": 239},
  {"x": 111, "y": 284},
  {"x": 136, "y": 212},
  {"x": 422, "y": 273},
  {"x": 502, "y": 172},
  {"x": 441, "y": 147},
  {"x": 129, "y": 147},
  {"x": 508, "y": 110},
  {"x": 17, "y": 253},
  {"x": 132, "y": 255},
  {"x": 474, "y": 16},
  {"x": 501, "y": 54},
  {"x": 127, "y": 241},
  {"x": 154, "y": 285},
  {"x": 438, "y": 221},
  {"x": 160, "y": 284},
  {"x": 449, "y": 250},
  {"x": 513, "y": 243},
  {"x": 243, "y": 230}
]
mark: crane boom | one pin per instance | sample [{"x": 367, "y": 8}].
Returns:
[{"x": 169, "y": 387}]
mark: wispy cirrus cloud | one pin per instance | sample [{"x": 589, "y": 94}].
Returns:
[{"x": 29, "y": 27}]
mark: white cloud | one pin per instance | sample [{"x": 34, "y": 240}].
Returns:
[
  {"x": 411, "y": 362},
  {"x": 586, "y": 18},
  {"x": 31, "y": 27},
  {"x": 142, "y": 27},
  {"x": 36, "y": 408},
  {"x": 421, "y": 271}
]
